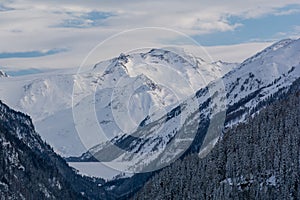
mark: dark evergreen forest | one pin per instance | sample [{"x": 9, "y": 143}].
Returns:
[{"x": 258, "y": 159}]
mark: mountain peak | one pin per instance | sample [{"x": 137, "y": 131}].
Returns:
[
  {"x": 156, "y": 51},
  {"x": 168, "y": 56},
  {"x": 118, "y": 64},
  {"x": 122, "y": 58},
  {"x": 269, "y": 51}
]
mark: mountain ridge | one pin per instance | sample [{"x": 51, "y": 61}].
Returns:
[
  {"x": 47, "y": 97},
  {"x": 246, "y": 89}
]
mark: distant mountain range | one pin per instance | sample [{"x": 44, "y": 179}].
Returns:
[
  {"x": 191, "y": 123},
  {"x": 155, "y": 80},
  {"x": 196, "y": 124}
]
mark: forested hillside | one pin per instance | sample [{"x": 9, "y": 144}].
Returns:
[
  {"x": 258, "y": 159},
  {"x": 29, "y": 168}
]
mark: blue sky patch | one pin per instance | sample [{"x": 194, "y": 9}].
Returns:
[
  {"x": 4, "y": 8},
  {"x": 265, "y": 28},
  {"x": 30, "y": 54},
  {"x": 90, "y": 19},
  {"x": 23, "y": 72}
]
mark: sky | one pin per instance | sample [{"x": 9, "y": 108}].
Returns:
[{"x": 64, "y": 34}]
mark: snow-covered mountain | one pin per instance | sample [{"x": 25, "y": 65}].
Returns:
[
  {"x": 197, "y": 122},
  {"x": 225, "y": 66},
  {"x": 249, "y": 162},
  {"x": 117, "y": 93}
]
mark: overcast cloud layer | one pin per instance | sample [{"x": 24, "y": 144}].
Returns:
[{"x": 58, "y": 33}]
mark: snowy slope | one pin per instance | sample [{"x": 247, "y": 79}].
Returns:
[
  {"x": 225, "y": 66},
  {"x": 239, "y": 94},
  {"x": 128, "y": 87},
  {"x": 265, "y": 73}
]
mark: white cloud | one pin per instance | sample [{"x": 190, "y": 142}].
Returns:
[
  {"x": 233, "y": 53},
  {"x": 287, "y": 12},
  {"x": 293, "y": 34},
  {"x": 36, "y": 25}
]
